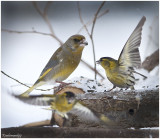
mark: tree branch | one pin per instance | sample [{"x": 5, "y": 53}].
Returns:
[
  {"x": 45, "y": 17},
  {"x": 20, "y": 32},
  {"x": 91, "y": 68},
  {"x": 23, "y": 83},
  {"x": 95, "y": 17},
  {"x": 79, "y": 11},
  {"x": 91, "y": 21},
  {"x": 91, "y": 34},
  {"x": 93, "y": 25}
]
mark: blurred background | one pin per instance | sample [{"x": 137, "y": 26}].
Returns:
[{"x": 24, "y": 55}]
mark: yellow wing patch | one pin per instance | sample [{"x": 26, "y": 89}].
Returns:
[{"x": 45, "y": 73}]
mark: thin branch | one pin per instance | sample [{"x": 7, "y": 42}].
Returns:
[
  {"x": 23, "y": 83},
  {"x": 91, "y": 21},
  {"x": 45, "y": 17},
  {"x": 91, "y": 68},
  {"x": 93, "y": 25},
  {"x": 20, "y": 32},
  {"x": 35, "y": 32},
  {"x": 92, "y": 29},
  {"x": 102, "y": 14},
  {"x": 95, "y": 17},
  {"x": 79, "y": 11},
  {"x": 37, "y": 8},
  {"x": 94, "y": 58},
  {"x": 47, "y": 7}
]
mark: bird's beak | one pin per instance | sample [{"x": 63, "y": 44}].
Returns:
[
  {"x": 98, "y": 62},
  {"x": 83, "y": 42}
]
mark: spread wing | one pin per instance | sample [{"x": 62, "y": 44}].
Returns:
[
  {"x": 39, "y": 100},
  {"x": 130, "y": 56},
  {"x": 84, "y": 113},
  {"x": 89, "y": 115}
]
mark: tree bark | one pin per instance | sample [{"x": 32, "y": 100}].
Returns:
[
  {"x": 128, "y": 109},
  {"x": 151, "y": 61}
]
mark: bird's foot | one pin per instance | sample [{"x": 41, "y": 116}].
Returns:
[{"x": 111, "y": 89}]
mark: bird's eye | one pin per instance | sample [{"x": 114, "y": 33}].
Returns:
[
  {"x": 101, "y": 59},
  {"x": 76, "y": 40},
  {"x": 69, "y": 94}
]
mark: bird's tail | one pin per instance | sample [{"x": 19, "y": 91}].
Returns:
[{"x": 26, "y": 93}]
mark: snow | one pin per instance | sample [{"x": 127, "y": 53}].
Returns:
[
  {"x": 152, "y": 128},
  {"x": 152, "y": 80},
  {"x": 132, "y": 128},
  {"x": 146, "y": 128},
  {"x": 93, "y": 86},
  {"x": 114, "y": 97}
]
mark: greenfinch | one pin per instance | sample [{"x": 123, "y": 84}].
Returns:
[
  {"x": 120, "y": 72},
  {"x": 62, "y": 63},
  {"x": 66, "y": 103}
]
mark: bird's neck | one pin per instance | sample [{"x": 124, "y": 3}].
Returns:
[
  {"x": 111, "y": 67},
  {"x": 75, "y": 52}
]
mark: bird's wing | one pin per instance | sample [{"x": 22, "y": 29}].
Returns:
[
  {"x": 39, "y": 100},
  {"x": 130, "y": 56},
  {"x": 53, "y": 62},
  {"x": 89, "y": 115}
]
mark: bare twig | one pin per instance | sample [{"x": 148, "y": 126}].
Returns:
[
  {"x": 92, "y": 29},
  {"x": 23, "y": 83},
  {"x": 79, "y": 11},
  {"x": 37, "y": 8},
  {"x": 45, "y": 17},
  {"x": 95, "y": 17},
  {"x": 91, "y": 21},
  {"x": 47, "y": 7},
  {"x": 90, "y": 67},
  {"x": 20, "y": 32},
  {"x": 94, "y": 21}
]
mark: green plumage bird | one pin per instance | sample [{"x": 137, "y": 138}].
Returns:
[{"x": 63, "y": 62}]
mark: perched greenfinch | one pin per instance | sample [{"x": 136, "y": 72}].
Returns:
[
  {"x": 62, "y": 63},
  {"x": 120, "y": 72},
  {"x": 66, "y": 103}
]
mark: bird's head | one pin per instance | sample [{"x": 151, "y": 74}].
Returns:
[
  {"x": 76, "y": 42},
  {"x": 106, "y": 62},
  {"x": 70, "y": 97}
]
